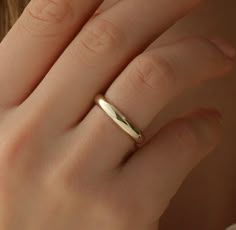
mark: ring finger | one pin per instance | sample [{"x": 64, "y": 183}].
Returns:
[
  {"x": 96, "y": 56},
  {"x": 141, "y": 91}
]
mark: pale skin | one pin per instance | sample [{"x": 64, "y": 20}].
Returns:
[
  {"x": 62, "y": 159},
  {"x": 207, "y": 198}
]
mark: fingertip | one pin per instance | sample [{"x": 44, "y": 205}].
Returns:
[
  {"x": 209, "y": 112},
  {"x": 225, "y": 47}
]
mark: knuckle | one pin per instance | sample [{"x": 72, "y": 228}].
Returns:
[
  {"x": 152, "y": 73},
  {"x": 15, "y": 136},
  {"x": 101, "y": 37},
  {"x": 42, "y": 16},
  {"x": 186, "y": 140},
  {"x": 11, "y": 145},
  {"x": 115, "y": 210},
  {"x": 126, "y": 209},
  {"x": 67, "y": 183}
]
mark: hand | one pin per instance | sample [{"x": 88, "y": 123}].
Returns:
[{"x": 64, "y": 163}]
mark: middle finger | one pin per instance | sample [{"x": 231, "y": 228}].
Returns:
[{"x": 97, "y": 55}]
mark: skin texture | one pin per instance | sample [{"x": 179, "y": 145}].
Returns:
[
  {"x": 55, "y": 153},
  {"x": 207, "y": 199},
  {"x": 212, "y": 207}
]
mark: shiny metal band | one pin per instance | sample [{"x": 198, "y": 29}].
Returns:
[{"x": 119, "y": 119}]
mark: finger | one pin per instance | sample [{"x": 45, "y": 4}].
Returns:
[
  {"x": 34, "y": 43},
  {"x": 97, "y": 55},
  {"x": 107, "y": 4},
  {"x": 144, "y": 88},
  {"x": 157, "y": 76},
  {"x": 157, "y": 170}
]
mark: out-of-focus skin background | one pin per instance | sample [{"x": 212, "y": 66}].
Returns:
[{"x": 207, "y": 200}]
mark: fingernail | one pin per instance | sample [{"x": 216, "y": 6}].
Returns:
[
  {"x": 212, "y": 113},
  {"x": 225, "y": 47}
]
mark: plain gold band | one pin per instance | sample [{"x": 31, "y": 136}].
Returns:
[{"x": 119, "y": 119}]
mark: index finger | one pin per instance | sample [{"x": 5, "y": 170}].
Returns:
[
  {"x": 96, "y": 56},
  {"x": 38, "y": 37}
]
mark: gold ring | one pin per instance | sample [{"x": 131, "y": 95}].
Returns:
[{"x": 119, "y": 119}]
